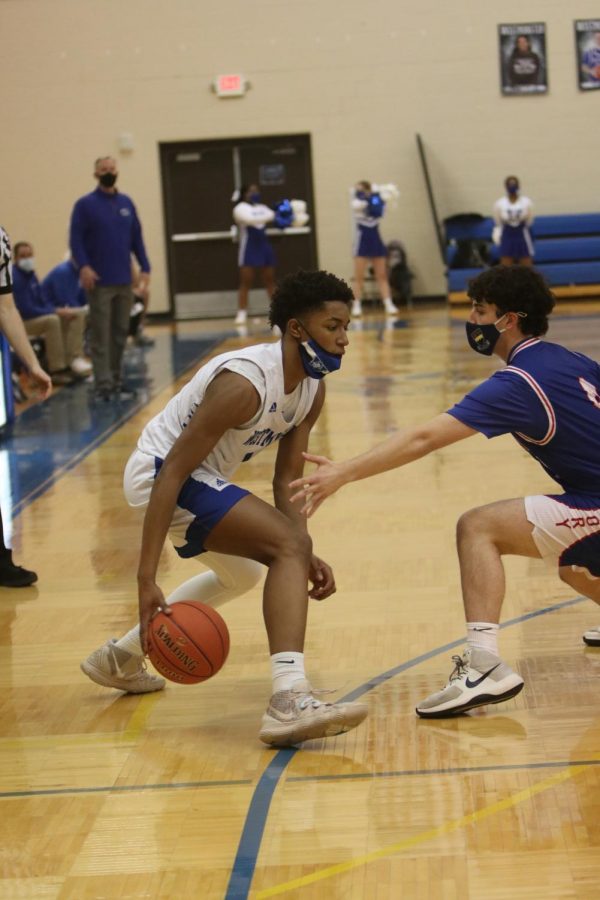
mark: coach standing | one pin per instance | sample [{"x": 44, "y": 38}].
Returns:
[{"x": 105, "y": 232}]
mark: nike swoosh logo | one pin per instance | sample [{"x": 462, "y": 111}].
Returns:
[
  {"x": 472, "y": 684},
  {"x": 289, "y": 662}
]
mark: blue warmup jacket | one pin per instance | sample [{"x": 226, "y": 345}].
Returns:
[
  {"x": 105, "y": 231},
  {"x": 29, "y": 299},
  {"x": 61, "y": 286}
]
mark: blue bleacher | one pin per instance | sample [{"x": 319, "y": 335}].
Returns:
[{"x": 567, "y": 249}]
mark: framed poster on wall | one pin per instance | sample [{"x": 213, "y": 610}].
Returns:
[
  {"x": 587, "y": 45},
  {"x": 523, "y": 62}
]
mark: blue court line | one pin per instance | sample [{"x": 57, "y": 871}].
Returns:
[
  {"x": 246, "y": 857},
  {"x": 120, "y": 788},
  {"x": 244, "y": 782}
]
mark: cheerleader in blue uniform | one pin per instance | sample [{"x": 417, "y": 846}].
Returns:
[
  {"x": 368, "y": 209},
  {"x": 513, "y": 214},
  {"x": 252, "y": 217}
]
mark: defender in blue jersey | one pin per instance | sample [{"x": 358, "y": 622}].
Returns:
[{"x": 548, "y": 398}]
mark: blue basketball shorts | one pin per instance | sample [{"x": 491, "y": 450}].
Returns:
[
  {"x": 203, "y": 501},
  {"x": 566, "y": 530}
]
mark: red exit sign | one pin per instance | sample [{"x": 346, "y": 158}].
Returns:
[{"x": 230, "y": 85}]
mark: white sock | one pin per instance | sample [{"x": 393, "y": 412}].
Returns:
[
  {"x": 286, "y": 670},
  {"x": 483, "y": 636},
  {"x": 228, "y": 577}
]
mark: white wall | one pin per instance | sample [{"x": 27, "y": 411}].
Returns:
[{"x": 361, "y": 78}]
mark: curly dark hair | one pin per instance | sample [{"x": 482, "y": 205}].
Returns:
[
  {"x": 304, "y": 292},
  {"x": 516, "y": 289}
]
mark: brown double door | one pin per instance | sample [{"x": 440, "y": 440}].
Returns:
[{"x": 199, "y": 178}]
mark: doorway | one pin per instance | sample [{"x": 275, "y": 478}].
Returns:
[{"x": 199, "y": 178}]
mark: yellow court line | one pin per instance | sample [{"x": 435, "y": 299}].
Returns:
[{"x": 424, "y": 836}]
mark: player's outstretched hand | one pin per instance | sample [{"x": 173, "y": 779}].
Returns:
[
  {"x": 317, "y": 486},
  {"x": 322, "y": 579},
  {"x": 151, "y": 601}
]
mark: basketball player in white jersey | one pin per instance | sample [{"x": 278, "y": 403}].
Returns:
[{"x": 180, "y": 474}]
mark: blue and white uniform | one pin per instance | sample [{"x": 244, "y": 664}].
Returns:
[
  {"x": 208, "y": 494},
  {"x": 367, "y": 240},
  {"x": 548, "y": 397},
  {"x": 514, "y": 218},
  {"x": 252, "y": 220}
]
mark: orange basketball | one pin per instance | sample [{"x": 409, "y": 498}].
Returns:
[{"x": 190, "y": 645}]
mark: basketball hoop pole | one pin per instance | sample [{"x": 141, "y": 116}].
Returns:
[{"x": 436, "y": 221}]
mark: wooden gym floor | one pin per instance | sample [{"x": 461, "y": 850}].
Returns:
[{"x": 171, "y": 795}]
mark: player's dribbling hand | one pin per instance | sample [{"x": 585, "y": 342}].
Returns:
[
  {"x": 317, "y": 486},
  {"x": 323, "y": 581},
  {"x": 151, "y": 601}
]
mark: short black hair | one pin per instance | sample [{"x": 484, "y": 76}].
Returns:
[
  {"x": 516, "y": 289},
  {"x": 305, "y": 292}
]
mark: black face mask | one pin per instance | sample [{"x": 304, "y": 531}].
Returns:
[
  {"x": 108, "y": 179},
  {"x": 483, "y": 338}
]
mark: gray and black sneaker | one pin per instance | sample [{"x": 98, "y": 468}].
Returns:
[{"x": 479, "y": 677}]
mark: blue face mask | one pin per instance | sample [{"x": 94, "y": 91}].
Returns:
[
  {"x": 254, "y": 197},
  {"x": 318, "y": 362},
  {"x": 513, "y": 190},
  {"x": 360, "y": 195},
  {"x": 483, "y": 338}
]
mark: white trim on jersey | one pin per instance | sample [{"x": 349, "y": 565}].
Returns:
[
  {"x": 542, "y": 397},
  {"x": 524, "y": 346}
]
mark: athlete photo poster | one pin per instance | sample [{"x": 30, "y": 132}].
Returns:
[
  {"x": 587, "y": 45},
  {"x": 523, "y": 62}
]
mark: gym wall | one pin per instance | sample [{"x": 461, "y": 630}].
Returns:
[{"x": 362, "y": 79}]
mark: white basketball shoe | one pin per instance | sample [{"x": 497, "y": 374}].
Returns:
[
  {"x": 296, "y": 715},
  {"x": 592, "y": 637},
  {"x": 113, "y": 667},
  {"x": 479, "y": 677}
]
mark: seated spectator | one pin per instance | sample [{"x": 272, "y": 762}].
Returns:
[
  {"x": 62, "y": 288},
  {"x": 60, "y": 327}
]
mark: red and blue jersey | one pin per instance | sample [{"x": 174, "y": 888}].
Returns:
[{"x": 548, "y": 397}]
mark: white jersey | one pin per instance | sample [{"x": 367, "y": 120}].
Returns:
[
  {"x": 519, "y": 212},
  {"x": 278, "y": 412}
]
